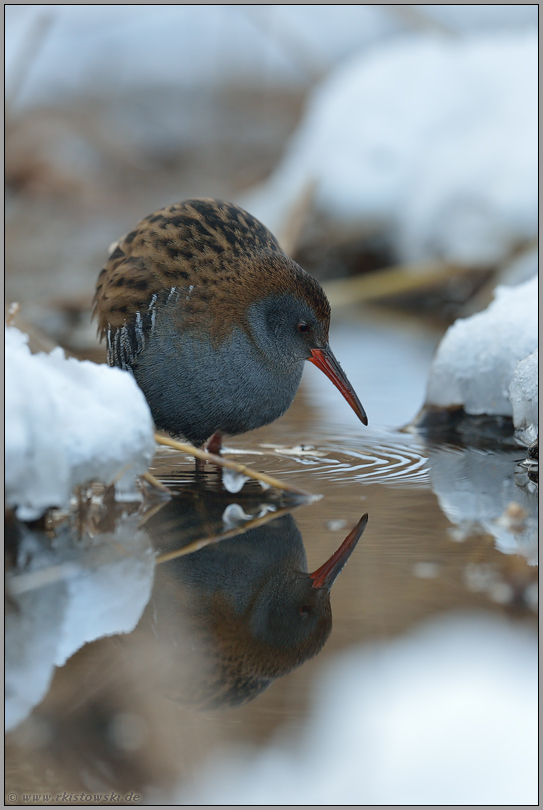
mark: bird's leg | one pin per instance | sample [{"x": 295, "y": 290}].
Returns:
[
  {"x": 214, "y": 444},
  {"x": 200, "y": 466}
]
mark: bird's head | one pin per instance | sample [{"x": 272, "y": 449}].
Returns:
[{"x": 289, "y": 322}]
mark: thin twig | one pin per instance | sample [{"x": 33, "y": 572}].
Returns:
[
  {"x": 150, "y": 478},
  {"x": 219, "y": 461}
]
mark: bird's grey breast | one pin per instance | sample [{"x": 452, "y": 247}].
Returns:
[{"x": 196, "y": 386}]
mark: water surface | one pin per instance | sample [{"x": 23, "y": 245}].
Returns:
[{"x": 113, "y": 656}]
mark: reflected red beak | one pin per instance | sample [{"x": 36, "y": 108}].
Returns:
[
  {"x": 325, "y": 360},
  {"x": 325, "y": 576}
]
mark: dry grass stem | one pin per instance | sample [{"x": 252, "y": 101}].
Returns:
[
  {"x": 154, "y": 482},
  {"x": 390, "y": 281},
  {"x": 219, "y": 461}
]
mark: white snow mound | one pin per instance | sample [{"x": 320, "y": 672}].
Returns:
[
  {"x": 476, "y": 360},
  {"x": 524, "y": 394},
  {"x": 430, "y": 141},
  {"x": 69, "y": 422}
]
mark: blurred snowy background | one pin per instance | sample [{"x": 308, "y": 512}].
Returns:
[
  {"x": 366, "y": 137},
  {"x": 362, "y": 135}
]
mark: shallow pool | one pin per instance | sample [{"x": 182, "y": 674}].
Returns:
[{"x": 111, "y": 650}]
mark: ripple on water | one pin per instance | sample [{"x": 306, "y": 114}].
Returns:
[
  {"x": 384, "y": 458},
  {"x": 389, "y": 460}
]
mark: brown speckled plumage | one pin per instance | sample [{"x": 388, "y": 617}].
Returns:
[
  {"x": 215, "y": 250},
  {"x": 214, "y": 321}
]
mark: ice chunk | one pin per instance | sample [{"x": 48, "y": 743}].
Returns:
[
  {"x": 232, "y": 480},
  {"x": 476, "y": 360},
  {"x": 524, "y": 394},
  {"x": 68, "y": 422}
]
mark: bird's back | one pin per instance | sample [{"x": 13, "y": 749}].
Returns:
[{"x": 191, "y": 242}]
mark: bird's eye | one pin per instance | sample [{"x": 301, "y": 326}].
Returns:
[
  {"x": 305, "y": 610},
  {"x": 303, "y": 327}
]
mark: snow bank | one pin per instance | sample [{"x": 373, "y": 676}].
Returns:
[
  {"x": 69, "y": 422},
  {"x": 90, "y": 48},
  {"x": 476, "y": 360},
  {"x": 64, "y": 600},
  {"x": 446, "y": 715},
  {"x": 430, "y": 141}
]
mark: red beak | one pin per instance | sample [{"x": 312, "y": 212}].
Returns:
[
  {"x": 325, "y": 360},
  {"x": 325, "y": 576}
]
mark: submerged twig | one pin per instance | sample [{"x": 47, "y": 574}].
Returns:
[{"x": 219, "y": 461}]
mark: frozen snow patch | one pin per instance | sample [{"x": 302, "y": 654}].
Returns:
[
  {"x": 476, "y": 360},
  {"x": 69, "y": 422}
]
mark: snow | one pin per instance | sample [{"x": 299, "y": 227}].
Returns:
[
  {"x": 67, "y": 423},
  {"x": 460, "y": 17},
  {"x": 90, "y": 48},
  {"x": 524, "y": 395},
  {"x": 431, "y": 141},
  {"x": 478, "y": 356},
  {"x": 444, "y": 715},
  {"x": 66, "y": 598}
]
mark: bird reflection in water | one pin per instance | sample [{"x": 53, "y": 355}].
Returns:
[{"x": 239, "y": 613}]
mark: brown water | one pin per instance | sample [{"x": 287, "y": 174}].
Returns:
[{"x": 119, "y": 714}]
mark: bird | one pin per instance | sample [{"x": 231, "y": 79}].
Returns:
[
  {"x": 215, "y": 322},
  {"x": 234, "y": 616}
]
